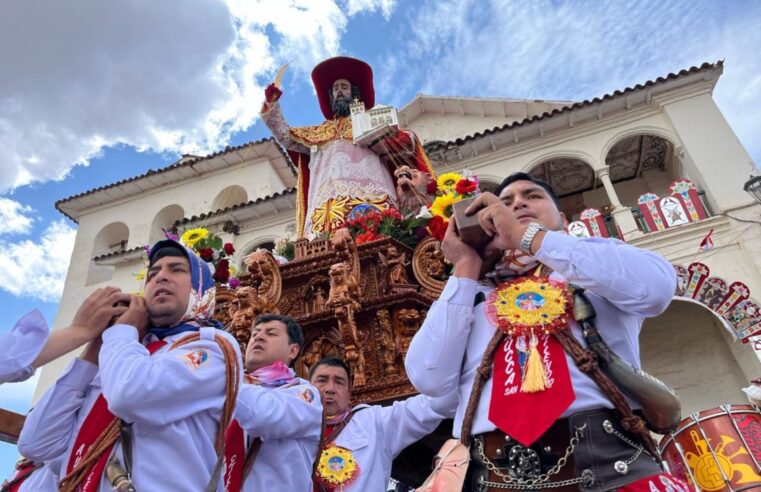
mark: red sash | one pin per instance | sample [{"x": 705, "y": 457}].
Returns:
[
  {"x": 235, "y": 456},
  {"x": 20, "y": 477},
  {"x": 93, "y": 426}
]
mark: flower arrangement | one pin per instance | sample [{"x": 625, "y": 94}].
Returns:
[
  {"x": 449, "y": 188},
  {"x": 211, "y": 249},
  {"x": 377, "y": 224},
  {"x": 285, "y": 247}
]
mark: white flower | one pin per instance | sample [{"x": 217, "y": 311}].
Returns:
[
  {"x": 312, "y": 236},
  {"x": 424, "y": 213}
]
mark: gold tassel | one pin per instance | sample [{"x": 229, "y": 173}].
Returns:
[{"x": 533, "y": 381}]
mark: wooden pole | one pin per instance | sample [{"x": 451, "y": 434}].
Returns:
[{"x": 10, "y": 426}]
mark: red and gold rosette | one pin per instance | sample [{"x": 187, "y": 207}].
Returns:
[
  {"x": 530, "y": 306},
  {"x": 337, "y": 467}
]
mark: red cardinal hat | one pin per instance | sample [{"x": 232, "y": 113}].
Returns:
[{"x": 355, "y": 71}]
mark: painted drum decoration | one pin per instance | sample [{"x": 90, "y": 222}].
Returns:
[{"x": 717, "y": 449}]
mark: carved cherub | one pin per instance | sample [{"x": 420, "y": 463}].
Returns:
[
  {"x": 343, "y": 286},
  {"x": 394, "y": 266}
]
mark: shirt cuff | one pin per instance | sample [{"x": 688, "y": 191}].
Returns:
[
  {"x": 460, "y": 291},
  {"x": 555, "y": 247},
  {"x": 121, "y": 332}
]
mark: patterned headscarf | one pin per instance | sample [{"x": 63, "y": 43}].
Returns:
[{"x": 202, "y": 293}]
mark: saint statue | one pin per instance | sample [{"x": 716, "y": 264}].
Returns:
[{"x": 338, "y": 179}]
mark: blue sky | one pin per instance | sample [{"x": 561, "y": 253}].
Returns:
[{"x": 95, "y": 92}]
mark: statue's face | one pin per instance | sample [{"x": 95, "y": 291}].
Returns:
[{"x": 341, "y": 87}]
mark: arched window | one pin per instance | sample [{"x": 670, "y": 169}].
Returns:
[
  {"x": 165, "y": 218},
  {"x": 113, "y": 238},
  {"x": 232, "y": 195}
]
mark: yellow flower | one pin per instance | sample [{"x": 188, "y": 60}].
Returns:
[
  {"x": 448, "y": 181},
  {"x": 442, "y": 205},
  {"x": 140, "y": 275},
  {"x": 192, "y": 236},
  {"x": 233, "y": 270}
]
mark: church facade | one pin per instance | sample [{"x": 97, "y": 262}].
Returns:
[{"x": 656, "y": 165}]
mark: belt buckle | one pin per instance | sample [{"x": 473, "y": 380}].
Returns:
[{"x": 524, "y": 462}]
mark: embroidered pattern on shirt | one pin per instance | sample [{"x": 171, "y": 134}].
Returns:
[{"x": 196, "y": 358}]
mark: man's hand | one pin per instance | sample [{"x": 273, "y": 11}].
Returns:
[
  {"x": 96, "y": 312},
  {"x": 498, "y": 222},
  {"x": 136, "y": 315},
  {"x": 467, "y": 263}
]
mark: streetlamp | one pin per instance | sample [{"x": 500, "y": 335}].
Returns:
[{"x": 753, "y": 187}]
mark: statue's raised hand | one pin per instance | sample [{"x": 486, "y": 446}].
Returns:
[{"x": 272, "y": 93}]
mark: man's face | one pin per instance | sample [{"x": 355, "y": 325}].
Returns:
[
  {"x": 342, "y": 87},
  {"x": 269, "y": 343},
  {"x": 333, "y": 383},
  {"x": 529, "y": 202},
  {"x": 167, "y": 290}
]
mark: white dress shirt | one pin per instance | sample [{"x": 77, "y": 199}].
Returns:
[
  {"x": 624, "y": 284},
  {"x": 287, "y": 419},
  {"x": 173, "y": 397}
]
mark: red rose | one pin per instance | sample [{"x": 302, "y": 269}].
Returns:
[
  {"x": 465, "y": 186},
  {"x": 222, "y": 271},
  {"x": 229, "y": 249},
  {"x": 206, "y": 254},
  {"x": 431, "y": 187},
  {"x": 367, "y": 237},
  {"x": 437, "y": 227}
]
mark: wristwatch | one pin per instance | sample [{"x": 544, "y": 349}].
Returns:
[{"x": 528, "y": 237}]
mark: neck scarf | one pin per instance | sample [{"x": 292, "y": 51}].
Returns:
[
  {"x": 272, "y": 376},
  {"x": 332, "y": 420}
]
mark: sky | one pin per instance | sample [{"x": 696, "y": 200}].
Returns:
[{"x": 95, "y": 92}]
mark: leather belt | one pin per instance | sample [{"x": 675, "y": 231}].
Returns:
[{"x": 587, "y": 452}]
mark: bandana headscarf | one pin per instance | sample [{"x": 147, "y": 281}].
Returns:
[{"x": 202, "y": 294}]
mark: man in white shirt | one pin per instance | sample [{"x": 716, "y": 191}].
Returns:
[
  {"x": 155, "y": 409},
  {"x": 273, "y": 440},
  {"x": 360, "y": 443},
  {"x": 517, "y": 332}
]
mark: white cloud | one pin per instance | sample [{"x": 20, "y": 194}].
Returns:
[
  {"x": 579, "y": 50},
  {"x": 14, "y": 217},
  {"x": 176, "y": 75},
  {"x": 37, "y": 268},
  {"x": 385, "y": 6}
]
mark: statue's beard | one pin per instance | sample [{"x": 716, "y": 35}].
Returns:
[{"x": 341, "y": 106}]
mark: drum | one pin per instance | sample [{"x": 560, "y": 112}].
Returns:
[{"x": 717, "y": 449}]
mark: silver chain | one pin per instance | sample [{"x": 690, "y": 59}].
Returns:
[
  {"x": 630, "y": 443},
  {"x": 521, "y": 484}
]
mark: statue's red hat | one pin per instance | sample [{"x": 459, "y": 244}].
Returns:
[{"x": 355, "y": 71}]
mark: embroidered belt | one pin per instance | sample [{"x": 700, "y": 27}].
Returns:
[{"x": 587, "y": 452}]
